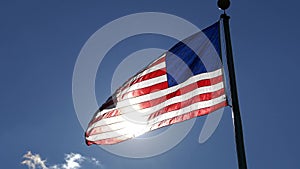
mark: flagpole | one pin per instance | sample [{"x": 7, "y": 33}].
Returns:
[{"x": 240, "y": 148}]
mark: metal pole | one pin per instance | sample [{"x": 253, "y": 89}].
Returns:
[{"x": 234, "y": 96}]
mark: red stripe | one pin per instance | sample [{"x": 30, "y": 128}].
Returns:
[
  {"x": 189, "y": 115},
  {"x": 146, "y": 90}
]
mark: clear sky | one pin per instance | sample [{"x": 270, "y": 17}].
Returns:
[{"x": 41, "y": 40}]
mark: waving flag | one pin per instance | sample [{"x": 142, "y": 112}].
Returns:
[{"x": 183, "y": 83}]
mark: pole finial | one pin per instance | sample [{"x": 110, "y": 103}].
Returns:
[{"x": 223, "y": 4}]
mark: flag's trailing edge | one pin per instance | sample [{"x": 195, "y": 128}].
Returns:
[{"x": 183, "y": 83}]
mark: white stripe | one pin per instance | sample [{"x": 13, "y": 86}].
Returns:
[
  {"x": 151, "y": 96},
  {"x": 166, "y": 116}
]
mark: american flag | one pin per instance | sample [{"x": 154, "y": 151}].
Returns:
[{"x": 183, "y": 83}]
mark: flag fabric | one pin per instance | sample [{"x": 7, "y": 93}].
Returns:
[{"x": 183, "y": 83}]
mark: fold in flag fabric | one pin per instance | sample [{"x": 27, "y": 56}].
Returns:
[{"x": 184, "y": 82}]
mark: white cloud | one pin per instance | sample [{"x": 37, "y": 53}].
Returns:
[
  {"x": 33, "y": 161},
  {"x": 95, "y": 161},
  {"x": 72, "y": 161}
]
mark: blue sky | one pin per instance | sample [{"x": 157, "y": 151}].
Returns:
[{"x": 41, "y": 40}]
